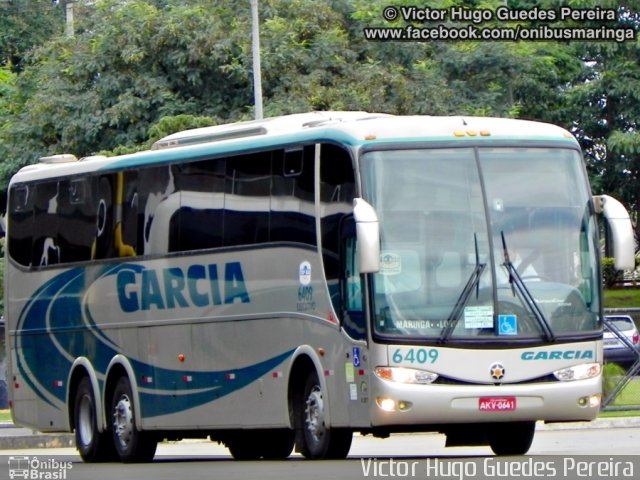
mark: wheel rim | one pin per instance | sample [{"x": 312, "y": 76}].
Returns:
[
  {"x": 85, "y": 420},
  {"x": 123, "y": 421},
  {"x": 314, "y": 414}
]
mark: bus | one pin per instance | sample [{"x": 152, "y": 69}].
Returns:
[{"x": 286, "y": 282}]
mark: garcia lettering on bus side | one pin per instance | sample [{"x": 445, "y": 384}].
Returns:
[{"x": 177, "y": 287}]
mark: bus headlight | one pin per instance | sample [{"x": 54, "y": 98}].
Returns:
[
  {"x": 405, "y": 375},
  {"x": 578, "y": 372}
]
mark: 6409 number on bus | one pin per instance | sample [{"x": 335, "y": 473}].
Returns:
[{"x": 414, "y": 356}]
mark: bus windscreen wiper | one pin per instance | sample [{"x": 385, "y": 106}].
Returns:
[
  {"x": 518, "y": 284},
  {"x": 473, "y": 282}
]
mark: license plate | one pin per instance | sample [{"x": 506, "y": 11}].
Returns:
[{"x": 497, "y": 404}]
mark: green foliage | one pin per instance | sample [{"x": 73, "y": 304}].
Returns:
[
  {"x": 624, "y": 143},
  {"x": 132, "y": 64},
  {"x": 2, "y": 276},
  {"x": 25, "y": 24},
  {"x": 7, "y": 90},
  {"x": 610, "y": 276},
  {"x": 129, "y": 65},
  {"x": 605, "y": 107},
  {"x": 166, "y": 126},
  {"x": 612, "y": 374}
]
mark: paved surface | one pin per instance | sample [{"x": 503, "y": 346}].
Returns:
[{"x": 13, "y": 437}]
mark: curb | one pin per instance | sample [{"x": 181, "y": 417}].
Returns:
[
  {"x": 14, "y": 437},
  {"x": 607, "y": 422},
  {"x": 37, "y": 440}
]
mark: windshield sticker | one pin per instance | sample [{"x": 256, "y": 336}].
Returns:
[
  {"x": 478, "y": 316},
  {"x": 507, "y": 325},
  {"x": 390, "y": 263}
]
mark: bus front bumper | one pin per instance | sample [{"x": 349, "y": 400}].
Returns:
[{"x": 401, "y": 404}]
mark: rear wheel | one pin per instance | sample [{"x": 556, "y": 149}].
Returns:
[
  {"x": 131, "y": 444},
  {"x": 314, "y": 438},
  {"x": 513, "y": 438},
  {"x": 93, "y": 445}
]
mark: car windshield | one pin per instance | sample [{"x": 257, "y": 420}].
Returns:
[{"x": 493, "y": 243}]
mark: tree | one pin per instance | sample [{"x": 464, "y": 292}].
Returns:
[
  {"x": 133, "y": 63},
  {"x": 25, "y": 24},
  {"x": 7, "y": 90},
  {"x": 605, "y": 106},
  {"x": 129, "y": 64}
]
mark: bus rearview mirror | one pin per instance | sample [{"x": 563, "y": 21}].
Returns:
[
  {"x": 367, "y": 235},
  {"x": 621, "y": 230}
]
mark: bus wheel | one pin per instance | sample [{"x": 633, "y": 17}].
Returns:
[
  {"x": 93, "y": 445},
  {"x": 132, "y": 445},
  {"x": 513, "y": 438},
  {"x": 314, "y": 439}
]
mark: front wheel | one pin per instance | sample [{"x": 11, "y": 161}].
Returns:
[
  {"x": 93, "y": 445},
  {"x": 131, "y": 444},
  {"x": 512, "y": 438},
  {"x": 314, "y": 438}
]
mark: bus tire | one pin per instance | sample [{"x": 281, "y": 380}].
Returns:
[
  {"x": 131, "y": 444},
  {"x": 314, "y": 439},
  {"x": 511, "y": 438},
  {"x": 93, "y": 445}
]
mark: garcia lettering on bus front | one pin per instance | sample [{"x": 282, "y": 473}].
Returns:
[
  {"x": 558, "y": 355},
  {"x": 177, "y": 287}
]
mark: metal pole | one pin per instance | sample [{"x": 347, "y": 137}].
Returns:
[
  {"x": 69, "y": 30},
  {"x": 255, "y": 47}
]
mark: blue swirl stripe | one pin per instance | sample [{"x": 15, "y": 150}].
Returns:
[{"x": 56, "y": 327}]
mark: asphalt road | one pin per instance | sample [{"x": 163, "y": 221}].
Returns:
[{"x": 608, "y": 443}]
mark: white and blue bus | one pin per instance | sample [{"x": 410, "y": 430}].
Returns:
[{"x": 290, "y": 281}]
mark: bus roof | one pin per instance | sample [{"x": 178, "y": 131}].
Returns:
[{"x": 351, "y": 128}]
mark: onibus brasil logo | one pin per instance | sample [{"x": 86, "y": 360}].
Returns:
[{"x": 34, "y": 468}]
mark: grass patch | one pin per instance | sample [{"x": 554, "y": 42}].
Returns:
[
  {"x": 5, "y": 416},
  {"x": 617, "y": 414},
  {"x": 630, "y": 394},
  {"x": 621, "y": 297}
]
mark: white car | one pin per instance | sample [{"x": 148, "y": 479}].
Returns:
[{"x": 615, "y": 350}]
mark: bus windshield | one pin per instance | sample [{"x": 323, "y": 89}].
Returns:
[{"x": 483, "y": 243}]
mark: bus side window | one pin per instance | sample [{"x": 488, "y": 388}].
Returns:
[
  {"x": 115, "y": 215},
  {"x": 337, "y": 189},
  {"x": 76, "y": 219},
  {"x": 292, "y": 209},
  {"x": 127, "y": 202},
  {"x": 352, "y": 290},
  {"x": 190, "y": 216},
  {"x": 45, "y": 251},
  {"x": 246, "y": 199},
  {"x": 21, "y": 228},
  {"x": 103, "y": 243}
]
